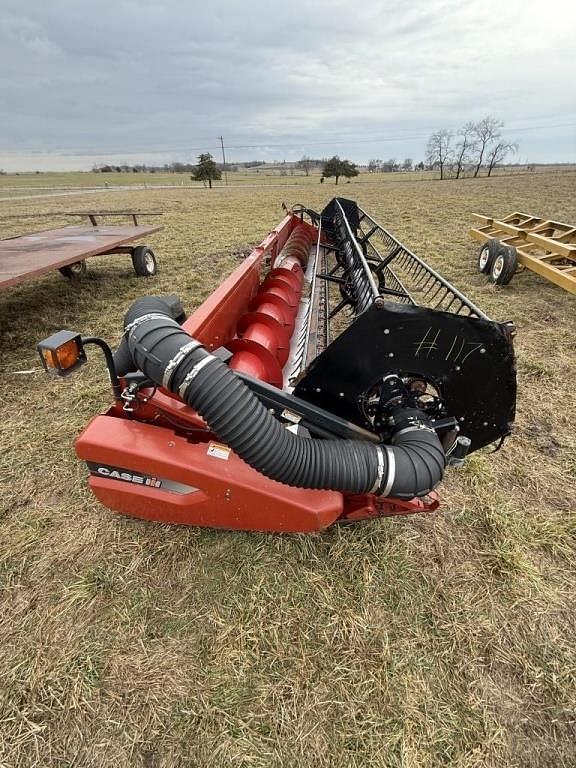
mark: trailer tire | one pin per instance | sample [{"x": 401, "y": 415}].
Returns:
[
  {"x": 504, "y": 265},
  {"x": 144, "y": 261},
  {"x": 77, "y": 269},
  {"x": 486, "y": 256}
]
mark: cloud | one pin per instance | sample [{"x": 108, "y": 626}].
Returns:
[{"x": 167, "y": 76}]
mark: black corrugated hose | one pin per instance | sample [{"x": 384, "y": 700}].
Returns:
[{"x": 157, "y": 345}]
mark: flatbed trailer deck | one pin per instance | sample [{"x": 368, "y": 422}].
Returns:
[{"x": 32, "y": 255}]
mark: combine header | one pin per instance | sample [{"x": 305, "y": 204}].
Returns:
[{"x": 331, "y": 377}]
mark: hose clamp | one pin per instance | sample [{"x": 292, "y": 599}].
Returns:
[
  {"x": 415, "y": 428},
  {"x": 176, "y": 360},
  {"x": 144, "y": 319},
  {"x": 191, "y": 375},
  {"x": 391, "y": 472},
  {"x": 380, "y": 470}
]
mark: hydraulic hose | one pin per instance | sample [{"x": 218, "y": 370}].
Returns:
[{"x": 411, "y": 466}]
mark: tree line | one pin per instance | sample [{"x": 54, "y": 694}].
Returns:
[
  {"x": 207, "y": 170},
  {"x": 170, "y": 167},
  {"x": 454, "y": 153},
  {"x": 392, "y": 165},
  {"x": 470, "y": 148}
]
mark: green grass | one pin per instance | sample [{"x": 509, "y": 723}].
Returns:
[{"x": 440, "y": 640}]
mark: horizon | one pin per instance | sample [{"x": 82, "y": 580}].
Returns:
[{"x": 271, "y": 165}]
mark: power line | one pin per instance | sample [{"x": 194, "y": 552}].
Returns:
[
  {"x": 414, "y": 137},
  {"x": 336, "y": 139}
]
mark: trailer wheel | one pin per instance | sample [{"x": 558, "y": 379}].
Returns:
[
  {"x": 144, "y": 261},
  {"x": 505, "y": 265},
  {"x": 78, "y": 269},
  {"x": 486, "y": 256}
]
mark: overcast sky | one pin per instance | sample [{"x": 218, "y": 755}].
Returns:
[{"x": 83, "y": 81}]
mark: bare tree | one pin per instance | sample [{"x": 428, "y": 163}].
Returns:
[
  {"x": 439, "y": 151},
  {"x": 465, "y": 147},
  {"x": 485, "y": 132},
  {"x": 498, "y": 152},
  {"x": 304, "y": 164},
  {"x": 407, "y": 164},
  {"x": 374, "y": 165}
]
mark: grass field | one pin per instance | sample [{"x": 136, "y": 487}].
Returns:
[
  {"x": 445, "y": 640},
  {"x": 26, "y": 184},
  {"x": 13, "y": 186}
]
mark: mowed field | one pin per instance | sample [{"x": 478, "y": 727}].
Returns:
[{"x": 417, "y": 642}]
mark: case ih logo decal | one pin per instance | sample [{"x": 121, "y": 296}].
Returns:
[
  {"x": 116, "y": 473},
  {"x": 137, "y": 478}
]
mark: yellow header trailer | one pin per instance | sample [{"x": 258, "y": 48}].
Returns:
[{"x": 541, "y": 245}]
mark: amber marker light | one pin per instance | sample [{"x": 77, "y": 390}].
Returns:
[{"x": 62, "y": 353}]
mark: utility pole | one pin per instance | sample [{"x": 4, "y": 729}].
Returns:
[{"x": 223, "y": 159}]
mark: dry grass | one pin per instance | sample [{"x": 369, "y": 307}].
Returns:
[
  {"x": 16, "y": 185},
  {"x": 445, "y": 640}
]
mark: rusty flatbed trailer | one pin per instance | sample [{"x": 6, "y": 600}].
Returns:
[
  {"x": 66, "y": 249},
  {"x": 544, "y": 246}
]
